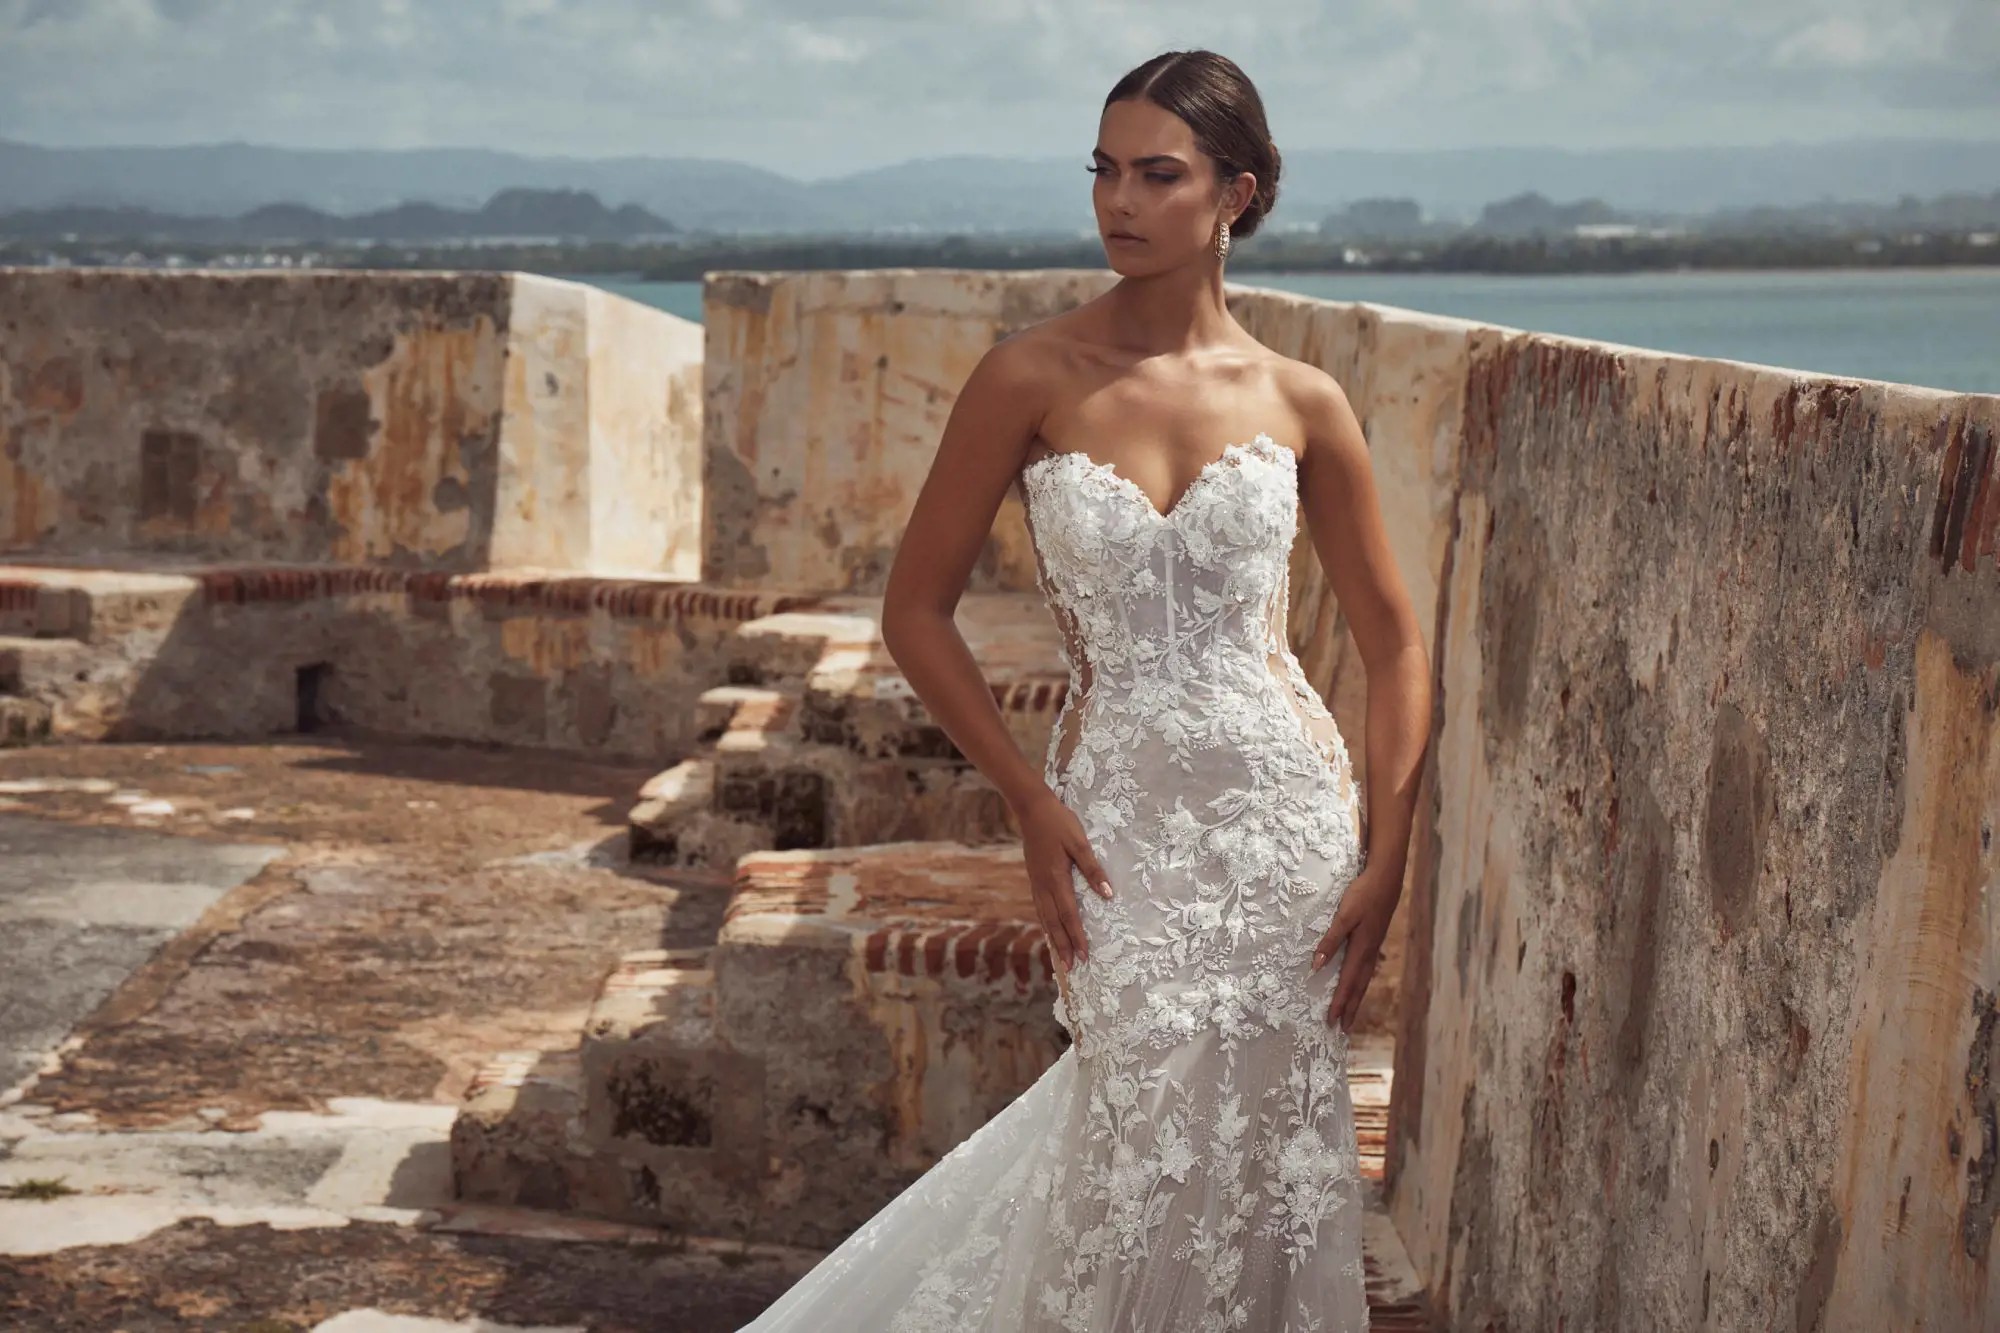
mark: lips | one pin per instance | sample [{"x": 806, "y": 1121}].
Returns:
[{"x": 1122, "y": 236}]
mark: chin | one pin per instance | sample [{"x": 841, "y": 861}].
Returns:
[{"x": 1127, "y": 265}]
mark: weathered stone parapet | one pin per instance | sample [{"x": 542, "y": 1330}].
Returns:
[
  {"x": 448, "y": 421},
  {"x": 1698, "y": 1025},
  {"x": 826, "y": 394},
  {"x": 541, "y": 658}
]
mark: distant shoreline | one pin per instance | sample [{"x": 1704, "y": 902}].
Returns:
[
  {"x": 1545, "y": 255},
  {"x": 629, "y": 275},
  {"x": 1898, "y": 270},
  {"x": 1245, "y": 277}
]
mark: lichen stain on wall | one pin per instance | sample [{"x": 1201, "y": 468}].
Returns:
[
  {"x": 55, "y": 386},
  {"x": 21, "y": 495},
  {"x": 549, "y": 647},
  {"x": 21, "y": 498},
  {"x": 826, "y": 398},
  {"x": 1922, "y": 1116},
  {"x": 424, "y": 400},
  {"x": 1967, "y": 521}
]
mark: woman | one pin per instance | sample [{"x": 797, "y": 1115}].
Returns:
[{"x": 1195, "y": 843}]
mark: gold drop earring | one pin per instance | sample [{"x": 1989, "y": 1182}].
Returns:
[{"x": 1222, "y": 240}]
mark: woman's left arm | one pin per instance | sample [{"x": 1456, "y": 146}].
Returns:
[{"x": 1344, "y": 518}]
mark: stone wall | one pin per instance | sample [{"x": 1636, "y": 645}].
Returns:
[
  {"x": 826, "y": 394},
  {"x": 583, "y": 664},
  {"x": 1699, "y": 1025},
  {"x": 825, "y": 397},
  {"x": 420, "y": 421}
]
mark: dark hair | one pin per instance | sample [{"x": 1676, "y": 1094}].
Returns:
[{"x": 1221, "y": 106}]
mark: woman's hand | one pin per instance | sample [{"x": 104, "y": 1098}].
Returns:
[
  {"x": 1052, "y": 840},
  {"x": 1363, "y": 920}
]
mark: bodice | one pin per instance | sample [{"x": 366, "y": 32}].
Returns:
[{"x": 1172, "y": 600}]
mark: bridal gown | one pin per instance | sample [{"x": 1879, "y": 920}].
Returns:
[{"x": 1189, "y": 1163}]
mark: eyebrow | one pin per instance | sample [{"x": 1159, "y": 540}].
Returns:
[{"x": 1140, "y": 161}]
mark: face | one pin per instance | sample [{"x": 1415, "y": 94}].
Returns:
[{"x": 1154, "y": 184}]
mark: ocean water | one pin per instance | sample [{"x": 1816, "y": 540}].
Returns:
[{"x": 1935, "y": 327}]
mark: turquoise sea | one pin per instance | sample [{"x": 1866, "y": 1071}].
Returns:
[{"x": 1934, "y": 327}]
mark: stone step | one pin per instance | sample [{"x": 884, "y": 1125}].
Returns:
[
  {"x": 669, "y": 800},
  {"x": 519, "y": 1141},
  {"x": 676, "y": 822},
  {"x": 857, "y": 697},
  {"x": 24, "y": 722},
  {"x": 781, "y": 794},
  {"x": 1370, "y": 1071},
  {"x": 665, "y": 1095},
  {"x": 36, "y": 666},
  {"x": 639, "y": 1124},
  {"x": 820, "y": 796},
  {"x": 62, "y": 688},
  {"x": 894, "y": 997},
  {"x": 806, "y": 797},
  {"x": 852, "y": 692},
  {"x": 743, "y": 708},
  {"x": 883, "y": 1003},
  {"x": 819, "y": 741},
  {"x": 50, "y": 601},
  {"x": 781, "y": 649}
]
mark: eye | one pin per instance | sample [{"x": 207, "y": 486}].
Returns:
[{"x": 1159, "y": 177}]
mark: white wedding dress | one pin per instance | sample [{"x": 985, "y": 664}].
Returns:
[{"x": 1189, "y": 1163}]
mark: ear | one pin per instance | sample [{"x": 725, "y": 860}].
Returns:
[{"x": 1239, "y": 194}]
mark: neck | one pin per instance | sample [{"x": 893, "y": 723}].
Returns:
[{"x": 1175, "y": 311}]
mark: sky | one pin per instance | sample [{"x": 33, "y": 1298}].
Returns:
[{"x": 814, "y": 88}]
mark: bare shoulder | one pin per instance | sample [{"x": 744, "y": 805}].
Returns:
[
  {"x": 1315, "y": 395},
  {"x": 1036, "y": 367},
  {"x": 999, "y": 409},
  {"x": 1327, "y": 420},
  {"x": 1056, "y": 342},
  {"x": 1011, "y": 377},
  {"x": 1030, "y": 359}
]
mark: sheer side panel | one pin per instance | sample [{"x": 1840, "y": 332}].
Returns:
[
  {"x": 1069, "y": 722},
  {"x": 1315, "y": 720}
]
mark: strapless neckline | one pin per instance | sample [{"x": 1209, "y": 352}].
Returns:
[{"x": 1167, "y": 515}]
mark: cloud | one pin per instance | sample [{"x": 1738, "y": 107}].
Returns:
[{"x": 815, "y": 89}]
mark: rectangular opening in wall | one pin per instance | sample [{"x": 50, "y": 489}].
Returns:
[
  {"x": 312, "y": 696},
  {"x": 169, "y": 464}
]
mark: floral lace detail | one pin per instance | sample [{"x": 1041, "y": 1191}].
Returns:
[{"x": 1205, "y": 1174}]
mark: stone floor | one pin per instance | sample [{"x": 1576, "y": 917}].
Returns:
[{"x": 286, "y": 962}]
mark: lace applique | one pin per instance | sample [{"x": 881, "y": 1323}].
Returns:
[{"x": 1214, "y": 1132}]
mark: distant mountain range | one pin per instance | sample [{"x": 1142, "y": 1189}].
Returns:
[
  {"x": 509, "y": 215},
  {"x": 437, "y": 193}
]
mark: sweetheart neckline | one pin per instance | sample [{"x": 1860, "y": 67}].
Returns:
[{"x": 1173, "y": 510}]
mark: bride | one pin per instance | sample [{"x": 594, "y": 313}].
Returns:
[{"x": 1195, "y": 843}]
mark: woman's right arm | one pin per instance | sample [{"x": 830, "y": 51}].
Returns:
[{"x": 986, "y": 439}]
